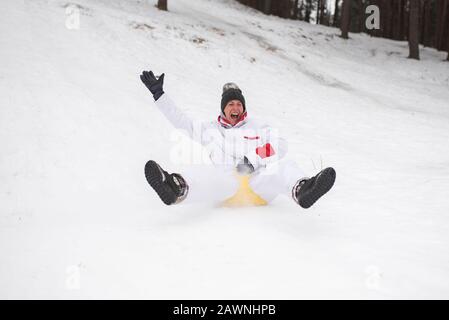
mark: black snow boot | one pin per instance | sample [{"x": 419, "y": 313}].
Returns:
[
  {"x": 171, "y": 188},
  {"x": 307, "y": 191}
]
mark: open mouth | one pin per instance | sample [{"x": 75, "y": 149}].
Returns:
[{"x": 235, "y": 115}]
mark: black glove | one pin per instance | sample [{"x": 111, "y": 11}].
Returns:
[
  {"x": 245, "y": 167},
  {"x": 153, "y": 84}
]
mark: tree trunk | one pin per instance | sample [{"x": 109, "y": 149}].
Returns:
[
  {"x": 322, "y": 11},
  {"x": 447, "y": 28},
  {"x": 447, "y": 46},
  {"x": 286, "y": 9},
  {"x": 399, "y": 9},
  {"x": 308, "y": 11},
  {"x": 438, "y": 18},
  {"x": 421, "y": 20},
  {"x": 388, "y": 17},
  {"x": 427, "y": 23},
  {"x": 345, "y": 18},
  {"x": 266, "y": 6},
  {"x": 301, "y": 11},
  {"x": 162, "y": 5},
  {"x": 336, "y": 13},
  {"x": 443, "y": 28},
  {"x": 295, "y": 10},
  {"x": 318, "y": 14},
  {"x": 360, "y": 25},
  {"x": 393, "y": 19},
  {"x": 413, "y": 39},
  {"x": 405, "y": 20}
]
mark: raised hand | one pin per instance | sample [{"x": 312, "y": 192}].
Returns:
[{"x": 155, "y": 85}]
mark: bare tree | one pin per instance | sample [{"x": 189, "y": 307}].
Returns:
[
  {"x": 359, "y": 24},
  {"x": 345, "y": 18},
  {"x": 405, "y": 14},
  {"x": 295, "y": 9},
  {"x": 443, "y": 28},
  {"x": 309, "y": 8},
  {"x": 336, "y": 13},
  {"x": 300, "y": 13},
  {"x": 448, "y": 48},
  {"x": 162, "y": 5},
  {"x": 427, "y": 23},
  {"x": 413, "y": 38},
  {"x": 397, "y": 21},
  {"x": 387, "y": 8},
  {"x": 439, "y": 17},
  {"x": 321, "y": 11},
  {"x": 266, "y": 6},
  {"x": 318, "y": 14},
  {"x": 323, "y": 7},
  {"x": 447, "y": 30}
]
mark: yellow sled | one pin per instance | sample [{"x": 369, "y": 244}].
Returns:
[{"x": 245, "y": 196}]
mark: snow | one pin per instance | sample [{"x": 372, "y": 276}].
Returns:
[{"x": 78, "y": 219}]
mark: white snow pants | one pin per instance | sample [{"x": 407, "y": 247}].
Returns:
[{"x": 216, "y": 183}]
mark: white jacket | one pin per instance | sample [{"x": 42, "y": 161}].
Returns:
[{"x": 227, "y": 144}]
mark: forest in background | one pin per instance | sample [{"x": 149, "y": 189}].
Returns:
[{"x": 424, "y": 22}]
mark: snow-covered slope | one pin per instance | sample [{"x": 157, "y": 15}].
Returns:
[{"x": 78, "y": 220}]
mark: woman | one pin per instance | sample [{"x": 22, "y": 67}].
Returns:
[{"x": 235, "y": 144}]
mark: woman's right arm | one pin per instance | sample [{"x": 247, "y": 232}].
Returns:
[
  {"x": 178, "y": 118},
  {"x": 167, "y": 106}
]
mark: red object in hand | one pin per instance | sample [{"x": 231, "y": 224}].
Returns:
[{"x": 265, "y": 151}]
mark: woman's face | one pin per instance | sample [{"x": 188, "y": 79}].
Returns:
[{"x": 233, "y": 111}]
